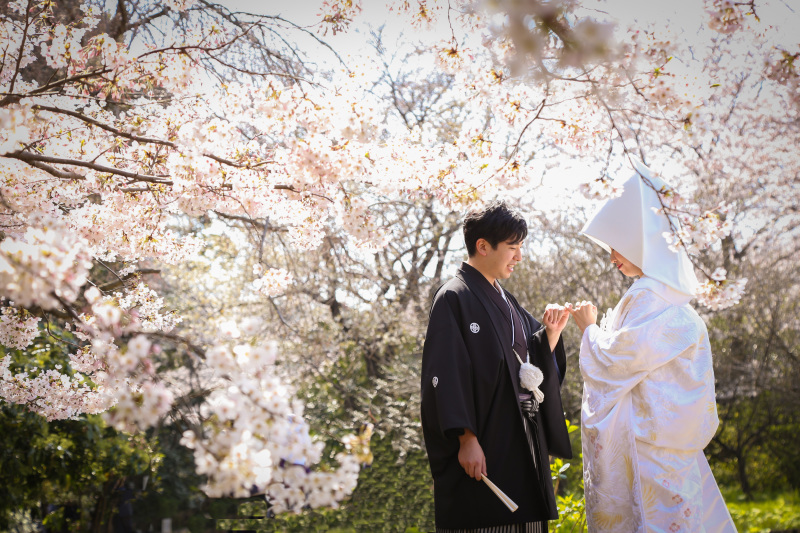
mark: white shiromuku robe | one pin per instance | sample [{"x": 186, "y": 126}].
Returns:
[{"x": 648, "y": 411}]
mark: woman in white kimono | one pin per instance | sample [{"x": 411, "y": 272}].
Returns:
[{"x": 649, "y": 404}]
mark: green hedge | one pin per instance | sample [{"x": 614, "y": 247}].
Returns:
[{"x": 393, "y": 495}]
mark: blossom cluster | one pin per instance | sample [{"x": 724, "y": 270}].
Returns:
[
  {"x": 673, "y": 92},
  {"x": 122, "y": 379},
  {"x": 561, "y": 33},
  {"x": 50, "y": 393},
  {"x": 18, "y": 327},
  {"x": 600, "y": 189},
  {"x": 719, "y": 294},
  {"x": 336, "y": 15},
  {"x": 253, "y": 436},
  {"x": 138, "y": 406},
  {"x": 274, "y": 282},
  {"x": 696, "y": 233},
  {"x": 145, "y": 305},
  {"x": 724, "y": 16},
  {"x": 42, "y": 266},
  {"x": 782, "y": 67}
]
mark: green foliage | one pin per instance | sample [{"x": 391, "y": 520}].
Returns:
[
  {"x": 394, "y": 495},
  {"x": 571, "y": 513},
  {"x": 173, "y": 489},
  {"x": 64, "y": 472},
  {"x": 767, "y": 513},
  {"x": 564, "y": 479},
  {"x": 74, "y": 463},
  {"x": 568, "y": 485}
]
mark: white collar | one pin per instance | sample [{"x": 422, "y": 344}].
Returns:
[
  {"x": 662, "y": 289},
  {"x": 499, "y": 289}
]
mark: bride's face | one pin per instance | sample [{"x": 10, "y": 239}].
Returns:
[{"x": 623, "y": 265}]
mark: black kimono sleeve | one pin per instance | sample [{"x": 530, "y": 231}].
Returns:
[
  {"x": 540, "y": 345},
  {"x": 447, "y": 387},
  {"x": 551, "y": 410}
]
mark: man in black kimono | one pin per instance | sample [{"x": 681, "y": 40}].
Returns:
[{"x": 477, "y": 419}]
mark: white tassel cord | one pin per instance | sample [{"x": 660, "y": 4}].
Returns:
[{"x": 530, "y": 377}]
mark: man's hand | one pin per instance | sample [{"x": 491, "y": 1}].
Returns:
[
  {"x": 585, "y": 314},
  {"x": 555, "y": 320},
  {"x": 470, "y": 455}
]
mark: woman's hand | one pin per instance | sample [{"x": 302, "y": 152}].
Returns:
[{"x": 585, "y": 314}]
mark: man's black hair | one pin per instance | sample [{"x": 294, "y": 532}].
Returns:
[{"x": 496, "y": 223}]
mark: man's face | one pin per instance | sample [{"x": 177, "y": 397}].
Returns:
[{"x": 500, "y": 261}]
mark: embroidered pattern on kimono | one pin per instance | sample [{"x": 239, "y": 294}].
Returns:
[{"x": 648, "y": 411}]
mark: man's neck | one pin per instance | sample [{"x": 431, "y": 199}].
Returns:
[{"x": 477, "y": 266}]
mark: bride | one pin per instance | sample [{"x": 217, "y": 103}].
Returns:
[{"x": 649, "y": 404}]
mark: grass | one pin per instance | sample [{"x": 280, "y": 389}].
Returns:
[{"x": 766, "y": 513}]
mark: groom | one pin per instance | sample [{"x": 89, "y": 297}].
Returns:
[{"x": 477, "y": 419}]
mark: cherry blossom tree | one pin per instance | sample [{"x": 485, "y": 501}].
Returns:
[
  {"x": 98, "y": 159},
  {"x": 120, "y": 131}
]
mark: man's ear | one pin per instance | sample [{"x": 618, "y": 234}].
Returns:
[{"x": 481, "y": 246}]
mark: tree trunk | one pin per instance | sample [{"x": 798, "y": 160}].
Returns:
[
  {"x": 101, "y": 507},
  {"x": 741, "y": 464}
]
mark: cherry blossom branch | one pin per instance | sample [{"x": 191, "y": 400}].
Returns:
[
  {"x": 194, "y": 348},
  {"x": 39, "y": 161},
  {"x": 292, "y": 188},
  {"x": 101, "y": 125},
  {"x": 521, "y": 133},
  {"x": 29, "y": 157},
  {"x": 148, "y": 19},
  {"x": 61, "y": 174},
  {"x": 21, "y": 49},
  {"x": 11, "y": 98},
  {"x": 266, "y": 226},
  {"x": 191, "y": 47},
  {"x": 71, "y": 312},
  {"x": 516, "y": 146},
  {"x": 145, "y": 140},
  {"x": 59, "y": 338},
  {"x": 110, "y": 286}
]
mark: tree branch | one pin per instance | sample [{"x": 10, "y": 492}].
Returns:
[
  {"x": 142, "y": 139},
  {"x": 11, "y": 98},
  {"x": 32, "y": 158},
  {"x": 110, "y": 286}
]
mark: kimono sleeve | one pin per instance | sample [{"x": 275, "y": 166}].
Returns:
[
  {"x": 553, "y": 365},
  {"x": 649, "y": 335},
  {"x": 447, "y": 387},
  {"x": 540, "y": 346},
  {"x": 651, "y": 374}
]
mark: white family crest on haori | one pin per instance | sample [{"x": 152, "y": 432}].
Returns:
[
  {"x": 435, "y": 381},
  {"x": 474, "y": 327}
]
